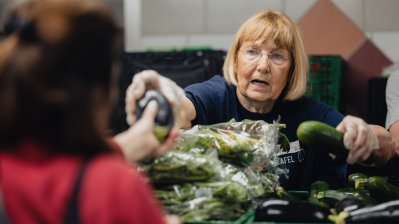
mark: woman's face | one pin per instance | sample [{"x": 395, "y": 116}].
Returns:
[{"x": 262, "y": 71}]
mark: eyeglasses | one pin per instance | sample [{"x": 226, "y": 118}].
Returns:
[{"x": 253, "y": 55}]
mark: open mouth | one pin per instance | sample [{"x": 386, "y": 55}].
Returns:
[{"x": 258, "y": 82}]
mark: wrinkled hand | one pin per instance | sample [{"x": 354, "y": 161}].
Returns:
[
  {"x": 359, "y": 139},
  {"x": 139, "y": 140},
  {"x": 150, "y": 79}
]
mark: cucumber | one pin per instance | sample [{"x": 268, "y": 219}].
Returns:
[
  {"x": 381, "y": 189},
  {"x": 319, "y": 186},
  {"x": 331, "y": 197},
  {"x": 319, "y": 135},
  {"x": 361, "y": 194},
  {"x": 361, "y": 182},
  {"x": 355, "y": 176},
  {"x": 315, "y": 188}
]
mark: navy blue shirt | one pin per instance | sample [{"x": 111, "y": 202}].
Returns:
[{"x": 216, "y": 101}]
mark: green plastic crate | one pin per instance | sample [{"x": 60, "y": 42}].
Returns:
[{"x": 324, "y": 80}]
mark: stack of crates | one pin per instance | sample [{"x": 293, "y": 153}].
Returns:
[{"x": 324, "y": 80}]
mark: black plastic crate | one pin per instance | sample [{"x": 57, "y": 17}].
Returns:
[
  {"x": 324, "y": 80},
  {"x": 184, "y": 67}
]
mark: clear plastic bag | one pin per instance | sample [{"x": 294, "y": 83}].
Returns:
[{"x": 210, "y": 168}]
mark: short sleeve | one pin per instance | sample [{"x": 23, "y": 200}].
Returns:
[{"x": 212, "y": 100}]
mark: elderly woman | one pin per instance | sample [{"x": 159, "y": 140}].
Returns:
[{"x": 265, "y": 74}]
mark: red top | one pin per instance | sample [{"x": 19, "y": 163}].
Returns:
[{"x": 36, "y": 189}]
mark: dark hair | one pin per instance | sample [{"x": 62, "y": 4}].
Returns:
[{"x": 56, "y": 54}]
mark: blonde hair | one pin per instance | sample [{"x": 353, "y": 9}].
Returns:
[{"x": 269, "y": 25}]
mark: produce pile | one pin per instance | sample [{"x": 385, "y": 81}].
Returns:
[
  {"x": 218, "y": 172},
  {"x": 366, "y": 200}
]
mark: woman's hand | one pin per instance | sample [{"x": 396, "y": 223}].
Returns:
[
  {"x": 394, "y": 131},
  {"x": 150, "y": 79},
  {"x": 139, "y": 140},
  {"x": 387, "y": 145},
  {"x": 359, "y": 139}
]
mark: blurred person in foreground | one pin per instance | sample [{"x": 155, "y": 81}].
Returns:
[
  {"x": 58, "y": 81},
  {"x": 264, "y": 78}
]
